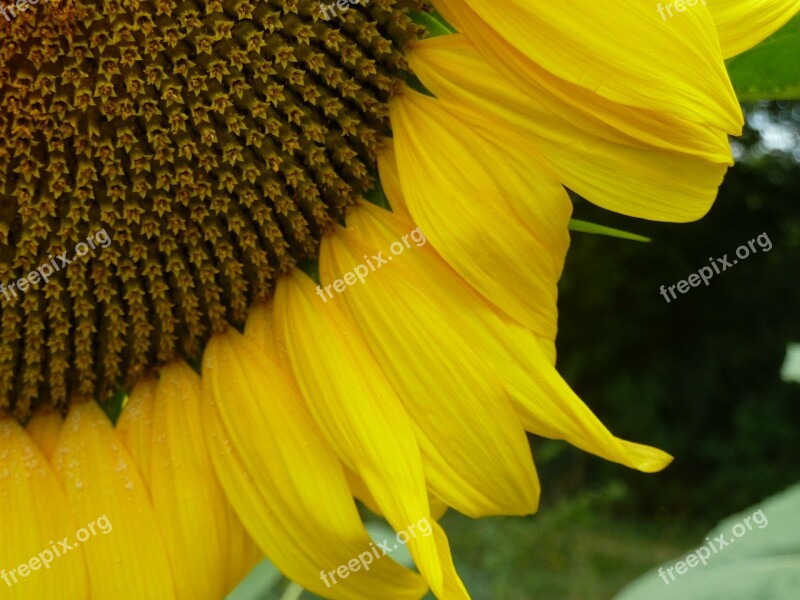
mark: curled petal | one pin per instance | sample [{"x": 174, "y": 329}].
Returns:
[
  {"x": 619, "y": 50},
  {"x": 741, "y": 24},
  {"x": 610, "y": 168},
  {"x": 476, "y": 455}
]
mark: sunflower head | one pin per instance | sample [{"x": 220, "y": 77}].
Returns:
[{"x": 212, "y": 143}]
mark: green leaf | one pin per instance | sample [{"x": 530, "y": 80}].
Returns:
[
  {"x": 433, "y": 22},
  {"x": 113, "y": 407},
  {"x": 771, "y": 70},
  {"x": 594, "y": 228},
  {"x": 760, "y": 561},
  {"x": 377, "y": 196}
]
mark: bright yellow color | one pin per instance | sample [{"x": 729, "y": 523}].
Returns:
[
  {"x": 101, "y": 479},
  {"x": 543, "y": 402},
  {"x": 135, "y": 425},
  {"x": 605, "y": 166},
  {"x": 44, "y": 428},
  {"x": 283, "y": 479},
  {"x": 390, "y": 178},
  {"x": 189, "y": 503},
  {"x": 619, "y": 50},
  {"x": 359, "y": 414},
  {"x": 35, "y": 514},
  {"x": 741, "y": 24},
  {"x": 510, "y": 237},
  {"x": 476, "y": 455}
]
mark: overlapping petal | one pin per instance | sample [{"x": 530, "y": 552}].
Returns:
[
  {"x": 135, "y": 425},
  {"x": 44, "y": 429},
  {"x": 499, "y": 218},
  {"x": 476, "y": 454},
  {"x": 620, "y": 50},
  {"x": 102, "y": 481},
  {"x": 36, "y": 518},
  {"x": 741, "y": 24},
  {"x": 604, "y": 166},
  {"x": 190, "y": 506},
  {"x": 359, "y": 413},
  {"x": 542, "y": 400},
  {"x": 283, "y": 479}
]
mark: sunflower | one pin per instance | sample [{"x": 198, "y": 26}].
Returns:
[{"x": 319, "y": 246}]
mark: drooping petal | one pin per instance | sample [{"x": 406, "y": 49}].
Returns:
[
  {"x": 544, "y": 403},
  {"x": 547, "y": 406},
  {"x": 44, "y": 429},
  {"x": 358, "y": 412},
  {"x": 620, "y": 50},
  {"x": 498, "y": 217},
  {"x": 284, "y": 481},
  {"x": 101, "y": 481},
  {"x": 190, "y": 506},
  {"x": 741, "y": 24},
  {"x": 476, "y": 455},
  {"x": 135, "y": 425},
  {"x": 604, "y": 166},
  {"x": 36, "y": 518}
]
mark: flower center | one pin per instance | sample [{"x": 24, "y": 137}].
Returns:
[{"x": 162, "y": 161}]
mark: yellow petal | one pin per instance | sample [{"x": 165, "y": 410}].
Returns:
[
  {"x": 543, "y": 402},
  {"x": 548, "y": 407},
  {"x": 390, "y": 178},
  {"x": 36, "y": 518},
  {"x": 135, "y": 425},
  {"x": 284, "y": 481},
  {"x": 125, "y": 556},
  {"x": 357, "y": 410},
  {"x": 360, "y": 491},
  {"x": 243, "y": 554},
  {"x": 741, "y": 24},
  {"x": 44, "y": 428},
  {"x": 189, "y": 503},
  {"x": 497, "y": 217},
  {"x": 621, "y": 51},
  {"x": 602, "y": 165},
  {"x": 453, "y": 586},
  {"x": 476, "y": 455}
]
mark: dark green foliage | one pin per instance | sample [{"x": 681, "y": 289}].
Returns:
[{"x": 698, "y": 377}]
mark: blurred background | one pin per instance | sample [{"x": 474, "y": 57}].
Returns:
[{"x": 699, "y": 377}]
